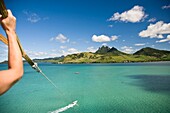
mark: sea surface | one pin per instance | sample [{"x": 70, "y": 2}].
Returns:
[{"x": 97, "y": 88}]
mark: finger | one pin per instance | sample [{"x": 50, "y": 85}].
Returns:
[
  {"x": 9, "y": 11},
  {"x": 0, "y": 17}
]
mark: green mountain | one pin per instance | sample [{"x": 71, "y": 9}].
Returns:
[
  {"x": 102, "y": 50},
  {"x": 52, "y": 60},
  {"x": 107, "y": 50},
  {"x": 153, "y": 52},
  {"x": 112, "y": 55}
]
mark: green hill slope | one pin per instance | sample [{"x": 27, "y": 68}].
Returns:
[
  {"x": 155, "y": 53},
  {"x": 112, "y": 55}
]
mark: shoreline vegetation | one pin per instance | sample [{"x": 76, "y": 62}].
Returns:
[{"x": 106, "y": 54}]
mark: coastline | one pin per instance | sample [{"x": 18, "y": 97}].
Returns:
[{"x": 161, "y": 61}]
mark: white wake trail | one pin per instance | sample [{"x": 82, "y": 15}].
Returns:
[{"x": 65, "y": 108}]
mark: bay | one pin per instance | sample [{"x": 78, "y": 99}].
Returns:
[{"x": 98, "y": 88}]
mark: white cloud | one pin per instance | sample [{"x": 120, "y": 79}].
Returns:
[
  {"x": 35, "y": 54},
  {"x": 103, "y": 38},
  {"x": 140, "y": 44},
  {"x": 166, "y": 7},
  {"x": 53, "y": 50},
  {"x": 63, "y": 47},
  {"x": 136, "y": 14},
  {"x": 42, "y": 54},
  {"x": 156, "y": 30},
  {"x": 114, "y": 37},
  {"x": 110, "y": 26},
  {"x": 32, "y": 17},
  {"x": 164, "y": 40},
  {"x": 72, "y": 51},
  {"x": 104, "y": 44},
  {"x": 51, "y": 39},
  {"x": 127, "y": 49},
  {"x": 91, "y": 49},
  {"x": 152, "y": 20},
  {"x": 53, "y": 55},
  {"x": 64, "y": 52},
  {"x": 60, "y": 38}
]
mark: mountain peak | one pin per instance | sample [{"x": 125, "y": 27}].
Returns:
[
  {"x": 108, "y": 50},
  {"x": 112, "y": 49},
  {"x": 148, "y": 51},
  {"x": 106, "y": 54},
  {"x": 103, "y": 50}
]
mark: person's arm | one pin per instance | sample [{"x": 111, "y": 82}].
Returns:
[{"x": 15, "y": 64}]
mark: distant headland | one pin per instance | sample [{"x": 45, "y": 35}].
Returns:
[{"x": 106, "y": 54}]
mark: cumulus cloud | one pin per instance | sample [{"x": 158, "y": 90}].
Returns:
[
  {"x": 103, "y": 38},
  {"x": 60, "y": 38},
  {"x": 32, "y": 17},
  {"x": 152, "y": 20},
  {"x": 136, "y": 14},
  {"x": 140, "y": 44},
  {"x": 43, "y": 54},
  {"x": 35, "y": 54},
  {"x": 114, "y": 37},
  {"x": 166, "y": 7},
  {"x": 127, "y": 49},
  {"x": 164, "y": 40},
  {"x": 156, "y": 30},
  {"x": 72, "y": 51},
  {"x": 91, "y": 49},
  {"x": 60, "y": 52},
  {"x": 53, "y": 55}
]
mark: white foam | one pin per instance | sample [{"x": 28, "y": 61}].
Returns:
[{"x": 65, "y": 108}]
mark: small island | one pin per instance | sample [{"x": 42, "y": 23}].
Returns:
[{"x": 106, "y": 54}]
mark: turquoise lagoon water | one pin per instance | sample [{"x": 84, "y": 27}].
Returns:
[{"x": 99, "y": 88}]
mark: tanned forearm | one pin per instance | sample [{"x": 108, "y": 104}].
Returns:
[
  {"x": 9, "y": 77},
  {"x": 15, "y": 64}
]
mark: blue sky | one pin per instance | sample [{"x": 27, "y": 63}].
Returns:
[{"x": 50, "y": 28}]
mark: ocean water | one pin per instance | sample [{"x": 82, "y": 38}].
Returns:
[{"x": 98, "y": 88}]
